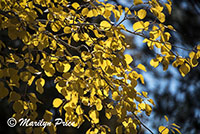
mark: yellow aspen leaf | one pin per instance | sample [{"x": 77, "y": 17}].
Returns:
[
  {"x": 25, "y": 76},
  {"x": 85, "y": 11},
  {"x": 47, "y": 115},
  {"x": 142, "y": 67},
  {"x": 14, "y": 96},
  {"x": 161, "y": 17},
  {"x": 55, "y": 26},
  {"x": 76, "y": 37},
  {"x": 176, "y": 125},
  {"x": 144, "y": 94},
  {"x": 141, "y": 78},
  {"x": 39, "y": 85},
  {"x": 151, "y": 101},
  {"x": 184, "y": 69},
  {"x": 165, "y": 37},
  {"x": 99, "y": 106},
  {"x": 115, "y": 95},
  {"x": 119, "y": 130},
  {"x": 57, "y": 102},
  {"x": 94, "y": 115},
  {"x": 90, "y": 14},
  {"x": 127, "y": 11},
  {"x": 67, "y": 30},
  {"x": 137, "y": 2},
  {"x": 105, "y": 25},
  {"x": 142, "y": 106},
  {"x": 4, "y": 91},
  {"x": 148, "y": 109},
  {"x": 128, "y": 59},
  {"x": 75, "y": 5},
  {"x": 154, "y": 63},
  {"x": 177, "y": 130},
  {"x": 30, "y": 81},
  {"x": 32, "y": 69},
  {"x": 63, "y": 67},
  {"x": 86, "y": 56},
  {"x": 142, "y": 13},
  {"x": 18, "y": 106},
  {"x": 138, "y": 26},
  {"x": 49, "y": 69},
  {"x": 79, "y": 110},
  {"x": 163, "y": 130},
  {"x": 166, "y": 118},
  {"x": 108, "y": 114},
  {"x": 169, "y": 8}
]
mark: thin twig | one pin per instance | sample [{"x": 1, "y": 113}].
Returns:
[{"x": 143, "y": 123}]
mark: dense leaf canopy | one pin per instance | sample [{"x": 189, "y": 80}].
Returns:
[{"x": 80, "y": 47}]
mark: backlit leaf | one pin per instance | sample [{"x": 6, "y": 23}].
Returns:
[
  {"x": 166, "y": 118},
  {"x": 75, "y": 5},
  {"x": 142, "y": 13},
  {"x": 163, "y": 130},
  {"x": 128, "y": 58},
  {"x": 57, "y": 102},
  {"x": 105, "y": 25},
  {"x": 137, "y": 2},
  {"x": 67, "y": 30},
  {"x": 184, "y": 69},
  {"x": 142, "y": 67}
]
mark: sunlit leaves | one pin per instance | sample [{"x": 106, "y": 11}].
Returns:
[
  {"x": 55, "y": 26},
  {"x": 75, "y": 5},
  {"x": 79, "y": 110},
  {"x": 154, "y": 63},
  {"x": 85, "y": 11},
  {"x": 142, "y": 67},
  {"x": 67, "y": 30},
  {"x": 48, "y": 115},
  {"x": 39, "y": 85},
  {"x": 57, "y": 102},
  {"x": 115, "y": 96},
  {"x": 84, "y": 59},
  {"x": 105, "y": 25},
  {"x": 49, "y": 69},
  {"x": 140, "y": 26},
  {"x": 137, "y": 2},
  {"x": 63, "y": 67},
  {"x": 141, "y": 13},
  {"x": 25, "y": 76},
  {"x": 169, "y": 8},
  {"x": 128, "y": 58},
  {"x": 94, "y": 115},
  {"x": 184, "y": 69},
  {"x": 166, "y": 118},
  {"x": 163, "y": 130}
]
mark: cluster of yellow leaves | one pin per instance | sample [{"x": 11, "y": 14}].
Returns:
[
  {"x": 85, "y": 59},
  {"x": 172, "y": 128}
]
